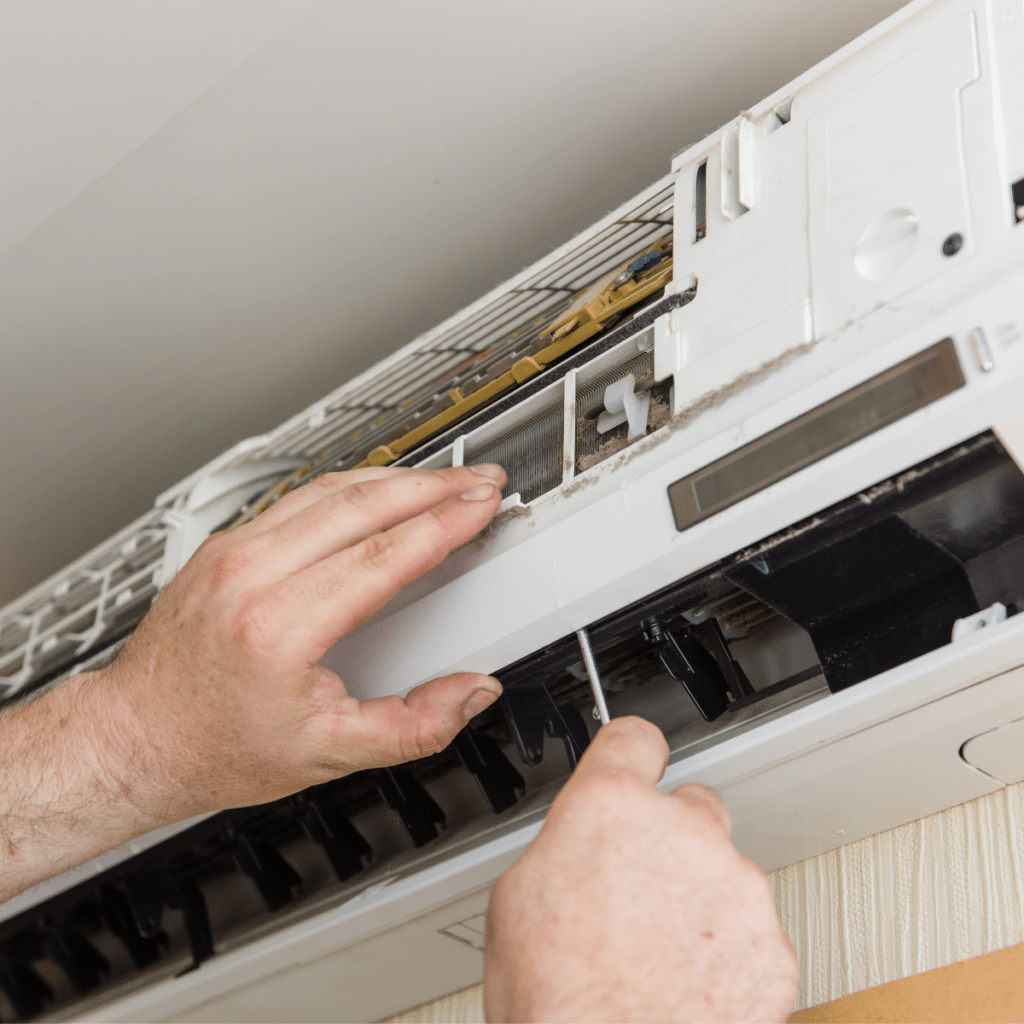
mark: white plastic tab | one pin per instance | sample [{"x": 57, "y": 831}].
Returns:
[
  {"x": 991, "y": 616},
  {"x": 739, "y": 180},
  {"x": 982, "y": 353},
  {"x": 512, "y": 501},
  {"x": 623, "y": 406}
]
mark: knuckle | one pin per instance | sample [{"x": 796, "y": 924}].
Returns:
[
  {"x": 256, "y": 625},
  {"x": 324, "y": 485},
  {"x": 362, "y": 495},
  {"x": 701, "y": 817},
  {"x": 228, "y": 563},
  {"x": 330, "y": 481},
  {"x": 429, "y": 741},
  {"x": 605, "y": 784},
  {"x": 434, "y": 533},
  {"x": 212, "y": 545},
  {"x": 423, "y": 740},
  {"x": 379, "y": 550},
  {"x": 424, "y": 540}
]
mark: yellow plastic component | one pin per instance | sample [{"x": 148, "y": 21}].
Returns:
[{"x": 593, "y": 310}]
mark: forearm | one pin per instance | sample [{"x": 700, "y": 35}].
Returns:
[
  {"x": 218, "y": 699},
  {"x": 73, "y": 779}
]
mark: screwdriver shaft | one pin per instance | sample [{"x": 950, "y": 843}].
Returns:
[{"x": 595, "y": 679}]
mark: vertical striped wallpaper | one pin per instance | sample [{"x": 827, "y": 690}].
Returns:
[{"x": 925, "y": 894}]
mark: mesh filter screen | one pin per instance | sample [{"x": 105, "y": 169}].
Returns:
[{"x": 531, "y": 455}]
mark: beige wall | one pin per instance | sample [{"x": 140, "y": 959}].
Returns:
[{"x": 930, "y": 893}]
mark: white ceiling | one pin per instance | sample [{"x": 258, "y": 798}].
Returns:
[{"x": 213, "y": 212}]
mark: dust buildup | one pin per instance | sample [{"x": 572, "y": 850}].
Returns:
[{"x": 615, "y": 441}]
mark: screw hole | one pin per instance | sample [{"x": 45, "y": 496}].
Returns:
[{"x": 953, "y": 244}]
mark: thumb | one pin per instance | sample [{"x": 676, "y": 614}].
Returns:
[
  {"x": 389, "y": 730},
  {"x": 450, "y": 702},
  {"x": 629, "y": 747}
]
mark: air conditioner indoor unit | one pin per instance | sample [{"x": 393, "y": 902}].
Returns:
[{"x": 764, "y": 437}]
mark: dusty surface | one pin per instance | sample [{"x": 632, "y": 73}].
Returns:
[
  {"x": 718, "y": 396},
  {"x": 658, "y": 416}
]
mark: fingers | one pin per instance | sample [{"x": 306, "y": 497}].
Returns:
[
  {"x": 316, "y": 606},
  {"x": 700, "y": 796},
  {"x": 629, "y": 747},
  {"x": 356, "y": 508},
  {"x": 311, "y": 492},
  {"x": 632, "y": 750},
  {"x": 388, "y": 730}
]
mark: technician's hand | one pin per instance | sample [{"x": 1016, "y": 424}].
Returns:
[
  {"x": 632, "y": 905},
  {"x": 224, "y": 671},
  {"x": 218, "y": 699}
]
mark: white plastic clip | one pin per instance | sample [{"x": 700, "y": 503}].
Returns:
[
  {"x": 971, "y": 624},
  {"x": 622, "y": 406}
]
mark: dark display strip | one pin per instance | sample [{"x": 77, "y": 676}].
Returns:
[{"x": 893, "y": 394}]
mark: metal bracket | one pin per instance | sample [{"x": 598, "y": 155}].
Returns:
[
  {"x": 341, "y": 842},
  {"x": 482, "y": 757},
  {"x": 149, "y": 892},
  {"x": 531, "y": 712},
  {"x": 404, "y": 794}
]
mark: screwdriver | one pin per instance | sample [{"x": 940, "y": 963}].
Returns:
[{"x": 595, "y": 679}]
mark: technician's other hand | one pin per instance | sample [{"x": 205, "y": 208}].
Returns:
[
  {"x": 633, "y": 905},
  {"x": 229, "y": 704}
]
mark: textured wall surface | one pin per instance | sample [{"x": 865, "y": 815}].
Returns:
[
  {"x": 465, "y": 1007},
  {"x": 926, "y": 894}
]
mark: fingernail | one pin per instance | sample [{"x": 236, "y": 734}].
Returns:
[
  {"x": 490, "y": 470},
  {"x": 480, "y": 493},
  {"x": 480, "y": 700}
]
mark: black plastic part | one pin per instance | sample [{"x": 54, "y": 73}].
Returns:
[
  {"x": 149, "y": 892},
  {"x": 404, "y": 794},
  {"x": 1017, "y": 191},
  {"x": 687, "y": 662},
  {"x": 966, "y": 503},
  {"x": 27, "y": 992},
  {"x": 340, "y": 840},
  {"x": 275, "y": 878},
  {"x": 870, "y": 601},
  {"x": 710, "y": 632},
  {"x": 75, "y": 955},
  {"x": 783, "y": 684},
  {"x": 498, "y": 778},
  {"x": 117, "y": 915},
  {"x": 531, "y": 712},
  {"x": 952, "y": 244},
  {"x": 146, "y": 901}
]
